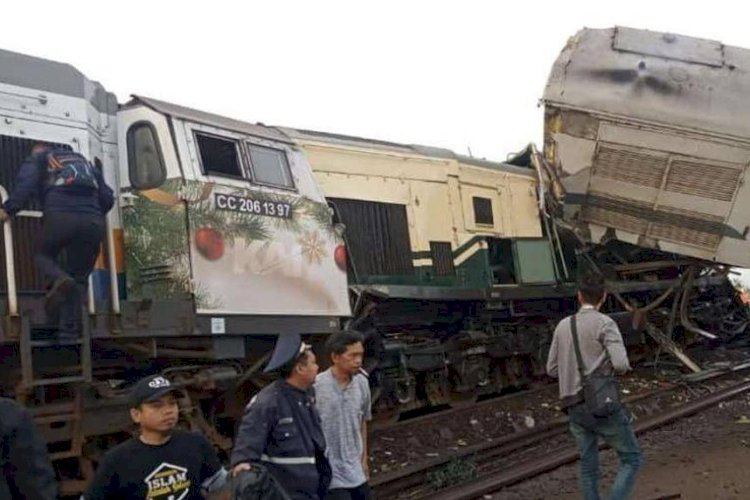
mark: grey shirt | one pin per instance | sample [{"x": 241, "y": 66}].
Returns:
[
  {"x": 342, "y": 411},
  {"x": 602, "y": 349}
]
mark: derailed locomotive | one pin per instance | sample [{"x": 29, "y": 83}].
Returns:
[{"x": 228, "y": 234}]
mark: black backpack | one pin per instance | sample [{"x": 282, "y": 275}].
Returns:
[
  {"x": 257, "y": 484},
  {"x": 69, "y": 170}
]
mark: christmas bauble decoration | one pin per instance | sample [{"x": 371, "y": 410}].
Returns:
[
  {"x": 339, "y": 256},
  {"x": 209, "y": 243}
]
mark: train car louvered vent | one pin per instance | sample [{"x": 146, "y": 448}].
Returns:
[
  {"x": 692, "y": 228},
  {"x": 442, "y": 258},
  {"x": 624, "y": 165},
  {"x": 671, "y": 232},
  {"x": 614, "y": 218},
  {"x": 669, "y": 224},
  {"x": 606, "y": 211},
  {"x": 377, "y": 236},
  {"x": 704, "y": 180}
]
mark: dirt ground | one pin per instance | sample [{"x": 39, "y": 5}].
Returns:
[
  {"x": 704, "y": 457},
  {"x": 414, "y": 442}
]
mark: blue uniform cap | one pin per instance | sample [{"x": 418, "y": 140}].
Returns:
[{"x": 287, "y": 349}]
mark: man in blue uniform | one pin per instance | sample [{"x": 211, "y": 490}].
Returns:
[
  {"x": 74, "y": 198},
  {"x": 281, "y": 428}
]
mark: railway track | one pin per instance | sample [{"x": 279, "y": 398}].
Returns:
[
  {"x": 389, "y": 425},
  {"x": 485, "y": 468}
]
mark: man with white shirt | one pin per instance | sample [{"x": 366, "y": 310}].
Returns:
[
  {"x": 602, "y": 351},
  {"x": 342, "y": 397}
]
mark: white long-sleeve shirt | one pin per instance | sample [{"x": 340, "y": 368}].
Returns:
[{"x": 602, "y": 349}]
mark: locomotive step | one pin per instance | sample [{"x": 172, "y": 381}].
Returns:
[
  {"x": 55, "y": 343},
  {"x": 57, "y": 381},
  {"x": 38, "y": 340}
]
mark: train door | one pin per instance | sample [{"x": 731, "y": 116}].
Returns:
[{"x": 153, "y": 210}]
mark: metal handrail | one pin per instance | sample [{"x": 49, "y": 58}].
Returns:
[
  {"x": 114, "y": 289},
  {"x": 10, "y": 265},
  {"x": 91, "y": 303}
]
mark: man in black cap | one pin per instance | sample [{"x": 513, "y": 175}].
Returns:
[
  {"x": 161, "y": 463},
  {"x": 26, "y": 468},
  {"x": 281, "y": 429}
]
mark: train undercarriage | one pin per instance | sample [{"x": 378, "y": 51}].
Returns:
[{"x": 452, "y": 352}]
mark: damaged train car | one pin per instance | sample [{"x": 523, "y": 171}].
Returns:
[{"x": 647, "y": 133}]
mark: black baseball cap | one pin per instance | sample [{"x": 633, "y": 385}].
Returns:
[{"x": 149, "y": 389}]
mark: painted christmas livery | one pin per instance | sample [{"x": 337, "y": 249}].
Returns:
[{"x": 232, "y": 257}]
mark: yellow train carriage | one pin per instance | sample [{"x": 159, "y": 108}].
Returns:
[{"x": 417, "y": 215}]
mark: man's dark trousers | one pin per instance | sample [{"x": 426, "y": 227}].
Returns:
[{"x": 80, "y": 236}]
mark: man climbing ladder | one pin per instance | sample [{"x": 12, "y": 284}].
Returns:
[{"x": 75, "y": 199}]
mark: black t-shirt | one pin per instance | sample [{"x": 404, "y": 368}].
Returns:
[{"x": 172, "y": 471}]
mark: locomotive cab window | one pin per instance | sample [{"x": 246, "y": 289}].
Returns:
[
  {"x": 270, "y": 166},
  {"x": 218, "y": 155},
  {"x": 146, "y": 168},
  {"x": 483, "y": 211}
]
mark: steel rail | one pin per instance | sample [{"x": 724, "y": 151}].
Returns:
[{"x": 495, "y": 482}]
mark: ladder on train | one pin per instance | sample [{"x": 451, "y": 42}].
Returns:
[
  {"x": 51, "y": 363},
  {"x": 52, "y": 367},
  {"x": 40, "y": 342}
]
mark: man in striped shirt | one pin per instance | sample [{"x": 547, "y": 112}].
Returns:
[{"x": 343, "y": 399}]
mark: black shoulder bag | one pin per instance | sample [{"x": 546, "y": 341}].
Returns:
[
  {"x": 600, "y": 392},
  {"x": 257, "y": 484}
]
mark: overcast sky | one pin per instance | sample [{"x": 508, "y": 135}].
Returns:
[
  {"x": 452, "y": 74},
  {"x": 456, "y": 74}
]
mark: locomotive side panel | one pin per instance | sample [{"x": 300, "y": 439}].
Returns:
[{"x": 456, "y": 207}]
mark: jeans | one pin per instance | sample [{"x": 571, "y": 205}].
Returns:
[
  {"x": 618, "y": 434},
  {"x": 80, "y": 236},
  {"x": 361, "y": 492}
]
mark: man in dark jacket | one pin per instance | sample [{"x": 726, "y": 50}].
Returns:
[
  {"x": 26, "y": 468},
  {"x": 281, "y": 428},
  {"x": 75, "y": 199}
]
